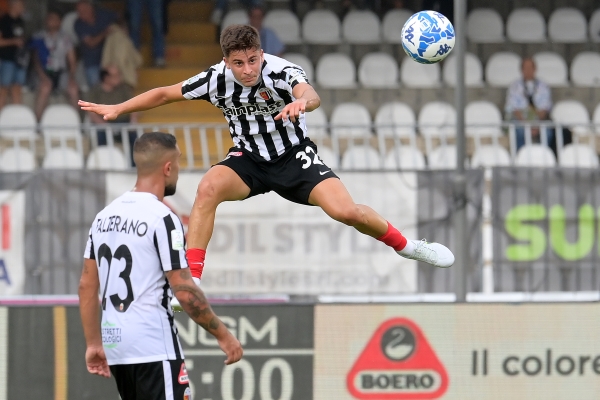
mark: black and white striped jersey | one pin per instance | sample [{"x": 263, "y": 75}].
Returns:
[
  {"x": 250, "y": 110},
  {"x": 134, "y": 240}
]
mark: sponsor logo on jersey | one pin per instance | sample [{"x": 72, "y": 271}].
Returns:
[
  {"x": 235, "y": 154},
  {"x": 253, "y": 109},
  {"x": 176, "y": 240},
  {"x": 183, "y": 375},
  {"x": 265, "y": 94}
]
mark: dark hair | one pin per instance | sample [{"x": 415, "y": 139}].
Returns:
[
  {"x": 239, "y": 38},
  {"x": 152, "y": 140},
  {"x": 55, "y": 12},
  {"x": 103, "y": 74}
]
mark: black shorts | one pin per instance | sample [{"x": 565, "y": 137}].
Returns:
[
  {"x": 292, "y": 175},
  {"x": 159, "y": 380}
]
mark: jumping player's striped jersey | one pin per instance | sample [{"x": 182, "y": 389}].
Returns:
[
  {"x": 134, "y": 240},
  {"x": 250, "y": 110}
]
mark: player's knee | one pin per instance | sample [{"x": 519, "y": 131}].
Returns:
[
  {"x": 208, "y": 193},
  {"x": 348, "y": 215}
]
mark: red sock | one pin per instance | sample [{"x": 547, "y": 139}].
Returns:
[
  {"x": 195, "y": 259},
  {"x": 393, "y": 238}
]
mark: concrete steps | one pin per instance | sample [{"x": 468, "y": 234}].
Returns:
[{"x": 186, "y": 55}]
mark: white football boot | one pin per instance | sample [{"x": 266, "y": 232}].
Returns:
[{"x": 435, "y": 254}]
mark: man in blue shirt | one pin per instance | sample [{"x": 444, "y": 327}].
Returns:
[{"x": 269, "y": 40}]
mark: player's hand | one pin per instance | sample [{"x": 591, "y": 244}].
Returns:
[
  {"x": 232, "y": 348},
  {"x": 292, "y": 111},
  {"x": 95, "y": 360},
  {"x": 108, "y": 112}
]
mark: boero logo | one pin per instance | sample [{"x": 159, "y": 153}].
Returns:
[{"x": 397, "y": 363}]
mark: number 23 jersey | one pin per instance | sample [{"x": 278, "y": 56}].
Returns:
[{"x": 134, "y": 240}]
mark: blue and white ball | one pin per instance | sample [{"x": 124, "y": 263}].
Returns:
[{"x": 428, "y": 37}]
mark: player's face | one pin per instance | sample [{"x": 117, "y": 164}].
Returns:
[
  {"x": 245, "y": 65},
  {"x": 171, "y": 179}
]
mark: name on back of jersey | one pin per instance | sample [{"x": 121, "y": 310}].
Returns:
[
  {"x": 253, "y": 109},
  {"x": 115, "y": 223}
]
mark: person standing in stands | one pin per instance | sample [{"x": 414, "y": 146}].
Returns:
[
  {"x": 269, "y": 40},
  {"x": 14, "y": 56}
]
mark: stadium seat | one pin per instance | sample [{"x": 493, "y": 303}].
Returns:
[
  {"x": 63, "y": 158},
  {"x": 67, "y": 26},
  {"x": 350, "y": 120},
  {"x": 329, "y": 157},
  {"x": 361, "y": 27},
  {"x": 585, "y": 69},
  {"x": 594, "y": 26},
  {"x": 437, "y": 118},
  {"x": 567, "y": 25},
  {"x": 17, "y": 159},
  {"x": 285, "y": 24},
  {"x": 395, "y": 119},
  {"x": 489, "y": 155},
  {"x": 551, "y": 68},
  {"x": 107, "y": 158},
  {"x": 526, "y": 25},
  {"x": 378, "y": 70},
  {"x": 321, "y": 27},
  {"x": 572, "y": 114},
  {"x": 485, "y": 114},
  {"x": 579, "y": 156},
  {"x": 61, "y": 120},
  {"x": 535, "y": 155},
  {"x": 415, "y": 75},
  {"x": 336, "y": 71},
  {"x": 484, "y": 25},
  {"x": 316, "y": 122},
  {"x": 442, "y": 157},
  {"x": 473, "y": 71},
  {"x": 596, "y": 118},
  {"x": 361, "y": 157},
  {"x": 404, "y": 157},
  {"x": 393, "y": 21},
  {"x": 502, "y": 69},
  {"x": 302, "y": 61},
  {"x": 17, "y": 122},
  {"x": 235, "y": 17}
]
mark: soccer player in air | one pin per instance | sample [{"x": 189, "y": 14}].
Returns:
[
  {"x": 263, "y": 99},
  {"x": 136, "y": 338}
]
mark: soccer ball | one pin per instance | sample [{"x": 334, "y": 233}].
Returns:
[{"x": 428, "y": 37}]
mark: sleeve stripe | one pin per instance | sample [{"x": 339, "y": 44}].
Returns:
[
  {"x": 174, "y": 254},
  {"x": 157, "y": 250},
  {"x": 92, "y": 253}
]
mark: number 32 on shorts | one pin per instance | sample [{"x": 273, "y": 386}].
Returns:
[{"x": 306, "y": 160}]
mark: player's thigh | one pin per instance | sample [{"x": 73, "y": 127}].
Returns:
[
  {"x": 333, "y": 197},
  {"x": 221, "y": 183},
  {"x": 161, "y": 380}
]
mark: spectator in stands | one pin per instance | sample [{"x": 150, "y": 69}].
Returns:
[
  {"x": 155, "y": 10},
  {"x": 14, "y": 55},
  {"x": 221, "y": 7},
  {"x": 92, "y": 26},
  {"x": 268, "y": 39},
  {"x": 529, "y": 99},
  {"x": 112, "y": 90},
  {"x": 120, "y": 52},
  {"x": 55, "y": 63}
]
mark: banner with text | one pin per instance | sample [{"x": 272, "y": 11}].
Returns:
[{"x": 12, "y": 233}]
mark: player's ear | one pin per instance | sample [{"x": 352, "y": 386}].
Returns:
[
  {"x": 226, "y": 62},
  {"x": 167, "y": 168}
]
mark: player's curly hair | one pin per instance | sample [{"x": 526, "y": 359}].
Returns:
[{"x": 239, "y": 38}]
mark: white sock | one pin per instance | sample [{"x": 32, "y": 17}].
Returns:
[{"x": 408, "y": 249}]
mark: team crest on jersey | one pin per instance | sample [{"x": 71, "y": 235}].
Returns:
[
  {"x": 187, "y": 395},
  {"x": 183, "y": 375},
  {"x": 265, "y": 94}
]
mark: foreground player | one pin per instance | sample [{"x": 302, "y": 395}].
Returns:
[
  {"x": 135, "y": 259},
  {"x": 264, "y": 98}
]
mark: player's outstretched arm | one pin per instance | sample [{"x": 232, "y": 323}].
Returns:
[
  {"x": 89, "y": 308},
  {"x": 142, "y": 102},
  {"x": 307, "y": 100},
  {"x": 194, "y": 303}
]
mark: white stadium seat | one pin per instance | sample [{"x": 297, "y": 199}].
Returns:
[
  {"x": 316, "y": 122},
  {"x": 302, "y": 61},
  {"x": 361, "y": 27},
  {"x": 415, "y": 75},
  {"x": 19, "y": 117},
  {"x": 473, "y": 71},
  {"x": 571, "y": 114},
  {"x": 596, "y": 118},
  {"x": 579, "y": 156},
  {"x": 393, "y": 21},
  {"x": 61, "y": 120},
  {"x": 17, "y": 159},
  {"x": 285, "y": 24},
  {"x": 63, "y": 158},
  {"x": 336, "y": 71},
  {"x": 489, "y": 155},
  {"x": 321, "y": 27},
  {"x": 328, "y": 156},
  {"x": 585, "y": 69},
  {"x": 567, "y": 25},
  {"x": 107, "y": 158},
  {"x": 361, "y": 157},
  {"x": 535, "y": 155},
  {"x": 594, "y": 26},
  {"x": 350, "y": 120},
  {"x": 378, "y": 70},
  {"x": 404, "y": 157},
  {"x": 442, "y": 157},
  {"x": 484, "y": 25},
  {"x": 487, "y": 115},
  {"x": 235, "y": 17},
  {"x": 502, "y": 69},
  {"x": 526, "y": 25},
  {"x": 551, "y": 68},
  {"x": 437, "y": 118},
  {"x": 395, "y": 119}
]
